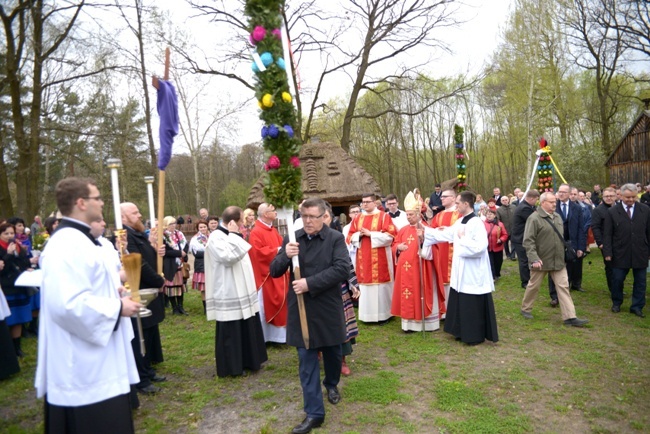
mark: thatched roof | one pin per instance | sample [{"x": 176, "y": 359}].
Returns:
[{"x": 328, "y": 172}]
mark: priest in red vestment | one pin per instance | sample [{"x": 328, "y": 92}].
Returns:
[
  {"x": 265, "y": 242},
  {"x": 443, "y": 252},
  {"x": 414, "y": 297},
  {"x": 372, "y": 233}
]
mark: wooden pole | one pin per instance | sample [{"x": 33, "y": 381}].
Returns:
[
  {"x": 302, "y": 312},
  {"x": 161, "y": 174}
]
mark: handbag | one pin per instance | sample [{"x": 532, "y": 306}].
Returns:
[
  {"x": 186, "y": 270},
  {"x": 570, "y": 254}
]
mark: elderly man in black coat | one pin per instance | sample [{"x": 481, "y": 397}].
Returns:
[
  {"x": 137, "y": 242},
  {"x": 324, "y": 266},
  {"x": 627, "y": 246},
  {"x": 598, "y": 217},
  {"x": 522, "y": 212}
]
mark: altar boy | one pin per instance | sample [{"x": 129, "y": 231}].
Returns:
[{"x": 85, "y": 361}]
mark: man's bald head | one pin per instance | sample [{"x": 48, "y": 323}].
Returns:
[{"x": 131, "y": 216}]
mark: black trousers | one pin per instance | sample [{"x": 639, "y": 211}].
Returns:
[
  {"x": 524, "y": 271},
  {"x": 110, "y": 416}
]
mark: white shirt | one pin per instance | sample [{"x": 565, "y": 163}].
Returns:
[{"x": 82, "y": 359}]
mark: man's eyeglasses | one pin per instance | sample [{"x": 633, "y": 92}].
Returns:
[
  {"x": 312, "y": 217},
  {"x": 97, "y": 198},
  {"x": 367, "y": 201}
]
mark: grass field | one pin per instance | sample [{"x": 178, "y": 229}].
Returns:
[{"x": 541, "y": 377}]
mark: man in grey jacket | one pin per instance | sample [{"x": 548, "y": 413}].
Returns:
[{"x": 545, "y": 250}]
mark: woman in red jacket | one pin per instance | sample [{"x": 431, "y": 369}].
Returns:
[{"x": 497, "y": 235}]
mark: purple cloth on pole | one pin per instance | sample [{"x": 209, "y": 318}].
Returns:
[{"x": 168, "y": 112}]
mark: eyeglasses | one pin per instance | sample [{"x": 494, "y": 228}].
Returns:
[
  {"x": 367, "y": 201},
  {"x": 312, "y": 217},
  {"x": 97, "y": 198}
]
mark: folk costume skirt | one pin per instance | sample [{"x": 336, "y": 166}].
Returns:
[
  {"x": 471, "y": 318},
  {"x": 239, "y": 345},
  {"x": 175, "y": 287}
]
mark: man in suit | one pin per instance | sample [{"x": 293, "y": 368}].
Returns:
[
  {"x": 138, "y": 242},
  {"x": 574, "y": 196},
  {"x": 497, "y": 196},
  {"x": 598, "y": 217},
  {"x": 573, "y": 221},
  {"x": 522, "y": 212},
  {"x": 627, "y": 246},
  {"x": 435, "y": 201}
]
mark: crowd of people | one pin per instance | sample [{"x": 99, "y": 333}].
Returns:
[{"x": 434, "y": 262}]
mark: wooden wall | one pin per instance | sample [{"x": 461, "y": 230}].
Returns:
[{"x": 630, "y": 162}]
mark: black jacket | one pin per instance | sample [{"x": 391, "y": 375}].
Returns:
[
  {"x": 598, "y": 217},
  {"x": 325, "y": 263},
  {"x": 14, "y": 266},
  {"x": 574, "y": 227},
  {"x": 522, "y": 212},
  {"x": 628, "y": 241},
  {"x": 138, "y": 242}
]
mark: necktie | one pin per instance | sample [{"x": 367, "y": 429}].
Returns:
[
  {"x": 629, "y": 212},
  {"x": 564, "y": 210}
]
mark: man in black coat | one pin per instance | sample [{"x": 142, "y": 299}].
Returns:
[
  {"x": 573, "y": 218},
  {"x": 435, "y": 200},
  {"x": 627, "y": 246},
  {"x": 324, "y": 266},
  {"x": 138, "y": 242},
  {"x": 598, "y": 217},
  {"x": 522, "y": 212}
]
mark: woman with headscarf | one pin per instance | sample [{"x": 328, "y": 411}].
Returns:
[{"x": 175, "y": 255}]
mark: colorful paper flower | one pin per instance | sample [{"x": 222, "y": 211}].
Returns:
[
  {"x": 255, "y": 68},
  {"x": 274, "y": 162},
  {"x": 277, "y": 33},
  {"x": 286, "y": 97},
  {"x": 267, "y": 100},
  {"x": 265, "y": 131},
  {"x": 267, "y": 58},
  {"x": 273, "y": 131},
  {"x": 295, "y": 161},
  {"x": 288, "y": 130},
  {"x": 258, "y": 34},
  {"x": 280, "y": 63}
]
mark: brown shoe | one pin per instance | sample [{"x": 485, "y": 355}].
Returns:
[
  {"x": 554, "y": 303},
  {"x": 345, "y": 369}
]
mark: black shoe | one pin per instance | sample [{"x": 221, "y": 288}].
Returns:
[
  {"x": 158, "y": 378},
  {"x": 638, "y": 312},
  {"x": 308, "y": 424},
  {"x": 575, "y": 322},
  {"x": 524, "y": 285},
  {"x": 581, "y": 289},
  {"x": 149, "y": 390},
  {"x": 182, "y": 311},
  {"x": 554, "y": 303},
  {"x": 383, "y": 322},
  {"x": 616, "y": 309},
  {"x": 333, "y": 396}
]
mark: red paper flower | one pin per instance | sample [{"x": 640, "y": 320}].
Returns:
[
  {"x": 295, "y": 161},
  {"x": 274, "y": 162},
  {"x": 258, "y": 34}
]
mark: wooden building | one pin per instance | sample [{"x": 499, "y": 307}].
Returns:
[
  {"x": 630, "y": 161},
  {"x": 329, "y": 173}
]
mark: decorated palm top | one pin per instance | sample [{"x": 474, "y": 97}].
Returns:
[{"x": 283, "y": 185}]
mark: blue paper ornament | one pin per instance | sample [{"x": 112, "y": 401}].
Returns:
[
  {"x": 273, "y": 131},
  {"x": 267, "y": 58},
  {"x": 280, "y": 63}
]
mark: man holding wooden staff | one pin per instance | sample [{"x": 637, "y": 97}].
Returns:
[
  {"x": 85, "y": 360},
  {"x": 324, "y": 265}
]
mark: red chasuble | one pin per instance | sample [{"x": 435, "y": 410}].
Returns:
[
  {"x": 407, "y": 301},
  {"x": 372, "y": 264},
  {"x": 443, "y": 252},
  {"x": 265, "y": 242}
]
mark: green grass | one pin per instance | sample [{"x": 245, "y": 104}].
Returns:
[{"x": 542, "y": 377}]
